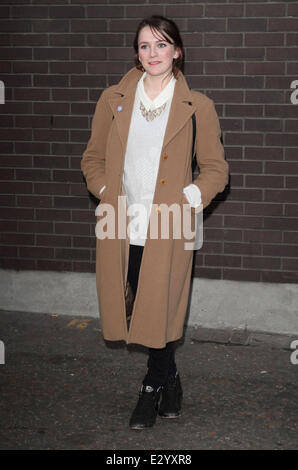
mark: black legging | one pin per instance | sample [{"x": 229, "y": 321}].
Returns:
[{"x": 161, "y": 362}]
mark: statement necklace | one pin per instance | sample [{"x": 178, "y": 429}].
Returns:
[{"x": 151, "y": 114}]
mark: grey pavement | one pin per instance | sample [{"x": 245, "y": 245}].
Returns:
[{"x": 63, "y": 387}]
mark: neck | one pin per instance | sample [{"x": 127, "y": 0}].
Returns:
[{"x": 155, "y": 84}]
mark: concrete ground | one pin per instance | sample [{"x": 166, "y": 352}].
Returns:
[{"x": 63, "y": 387}]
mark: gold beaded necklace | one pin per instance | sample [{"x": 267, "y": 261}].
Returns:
[{"x": 151, "y": 114}]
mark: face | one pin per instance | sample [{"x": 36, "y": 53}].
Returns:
[{"x": 155, "y": 53}]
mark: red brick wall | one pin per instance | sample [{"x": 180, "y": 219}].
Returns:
[{"x": 57, "y": 56}]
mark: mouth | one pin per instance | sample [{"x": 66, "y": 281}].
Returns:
[{"x": 154, "y": 63}]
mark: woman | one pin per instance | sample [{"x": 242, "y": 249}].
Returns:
[{"x": 141, "y": 150}]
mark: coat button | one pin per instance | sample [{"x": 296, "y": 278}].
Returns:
[
  {"x": 163, "y": 181},
  {"x": 165, "y": 157},
  {"x": 158, "y": 210}
]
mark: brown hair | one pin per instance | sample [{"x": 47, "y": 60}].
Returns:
[{"x": 169, "y": 31}]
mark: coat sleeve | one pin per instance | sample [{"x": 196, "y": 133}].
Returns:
[
  {"x": 93, "y": 161},
  {"x": 214, "y": 170}
]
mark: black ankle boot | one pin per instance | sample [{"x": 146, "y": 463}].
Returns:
[
  {"x": 144, "y": 414},
  {"x": 171, "y": 400}
]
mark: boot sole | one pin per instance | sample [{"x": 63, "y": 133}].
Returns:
[
  {"x": 170, "y": 415},
  {"x": 139, "y": 427}
]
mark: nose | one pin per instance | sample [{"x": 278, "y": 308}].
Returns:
[{"x": 152, "y": 51}]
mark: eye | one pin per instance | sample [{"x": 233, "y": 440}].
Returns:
[
  {"x": 162, "y": 45},
  {"x": 143, "y": 46}
]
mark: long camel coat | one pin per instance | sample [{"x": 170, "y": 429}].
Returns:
[{"x": 164, "y": 280}]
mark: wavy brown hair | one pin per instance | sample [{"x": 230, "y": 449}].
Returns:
[{"x": 169, "y": 31}]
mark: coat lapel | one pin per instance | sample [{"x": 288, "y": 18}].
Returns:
[
  {"x": 122, "y": 102},
  {"x": 181, "y": 110}
]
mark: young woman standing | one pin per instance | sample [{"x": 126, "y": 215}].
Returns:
[{"x": 141, "y": 148}]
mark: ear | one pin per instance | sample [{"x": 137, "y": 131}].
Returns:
[{"x": 177, "y": 53}]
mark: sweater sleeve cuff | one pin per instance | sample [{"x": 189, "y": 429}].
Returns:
[{"x": 193, "y": 195}]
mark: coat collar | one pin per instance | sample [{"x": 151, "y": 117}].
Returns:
[{"x": 122, "y": 100}]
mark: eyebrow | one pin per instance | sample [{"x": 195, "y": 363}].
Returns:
[{"x": 158, "y": 40}]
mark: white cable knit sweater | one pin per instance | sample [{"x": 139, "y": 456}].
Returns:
[{"x": 142, "y": 157}]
